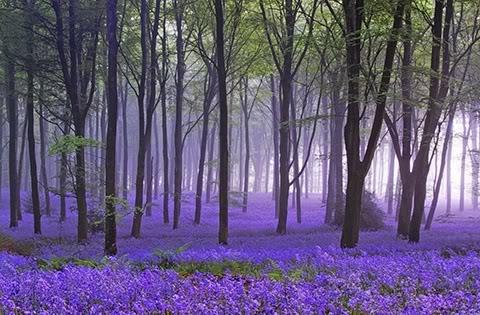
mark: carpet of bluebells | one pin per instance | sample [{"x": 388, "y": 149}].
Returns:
[{"x": 185, "y": 272}]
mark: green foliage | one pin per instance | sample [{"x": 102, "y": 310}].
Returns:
[
  {"x": 69, "y": 144},
  {"x": 220, "y": 268},
  {"x": 59, "y": 263},
  {"x": 166, "y": 257}
]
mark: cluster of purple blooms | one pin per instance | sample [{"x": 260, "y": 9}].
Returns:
[{"x": 321, "y": 281}]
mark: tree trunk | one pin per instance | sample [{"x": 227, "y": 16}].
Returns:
[
  {"x": 163, "y": 100},
  {"x": 63, "y": 178},
  {"x": 43, "y": 157},
  {"x": 438, "y": 92},
  {"x": 178, "y": 138},
  {"x": 438, "y": 185},
  {"x": 112, "y": 103},
  {"x": 275, "y": 132},
  {"x": 475, "y": 157},
  {"x": 37, "y": 227},
  {"x": 145, "y": 117},
  {"x": 11, "y": 102},
  {"x": 465, "y": 133},
  {"x": 358, "y": 169},
  {"x": 246, "y": 167},
  {"x": 20, "y": 168},
  {"x": 210, "y": 95},
  {"x": 223, "y": 148},
  {"x": 125, "y": 142},
  {"x": 331, "y": 193}
]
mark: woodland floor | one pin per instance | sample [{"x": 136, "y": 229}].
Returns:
[
  {"x": 185, "y": 271},
  {"x": 251, "y": 231}
]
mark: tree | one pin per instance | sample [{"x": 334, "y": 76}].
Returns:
[
  {"x": 11, "y": 103},
  {"x": 145, "y": 116},
  {"x": 223, "y": 151},
  {"x": 178, "y": 7},
  {"x": 29, "y": 63},
  {"x": 357, "y": 168},
  {"x": 287, "y": 68},
  {"x": 112, "y": 103},
  {"x": 80, "y": 82},
  {"x": 439, "y": 84}
]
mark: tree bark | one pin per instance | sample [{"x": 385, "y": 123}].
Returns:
[
  {"x": 223, "y": 147},
  {"x": 358, "y": 169},
  {"x": 112, "y": 103},
  {"x": 178, "y": 138},
  {"x": 438, "y": 92},
  {"x": 11, "y": 102},
  {"x": 37, "y": 227}
]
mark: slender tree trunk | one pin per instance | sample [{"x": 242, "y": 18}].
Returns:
[
  {"x": 211, "y": 150},
  {"x": 438, "y": 185},
  {"x": 475, "y": 157},
  {"x": 246, "y": 167},
  {"x": 157, "y": 157},
  {"x": 448, "y": 209},
  {"x": 2, "y": 119},
  {"x": 63, "y": 178},
  {"x": 275, "y": 132},
  {"x": 80, "y": 186},
  {"x": 163, "y": 100},
  {"x": 43, "y": 157},
  {"x": 37, "y": 227},
  {"x": 145, "y": 117},
  {"x": 223, "y": 148},
  {"x": 438, "y": 92},
  {"x": 461, "y": 206},
  {"x": 210, "y": 95},
  {"x": 20, "y": 168},
  {"x": 125, "y": 142},
  {"x": 149, "y": 181},
  {"x": 11, "y": 102},
  {"x": 178, "y": 138},
  {"x": 112, "y": 103},
  {"x": 331, "y": 187}
]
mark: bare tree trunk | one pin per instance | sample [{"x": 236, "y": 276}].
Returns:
[
  {"x": 37, "y": 226},
  {"x": 43, "y": 157},
  {"x": 112, "y": 103},
  {"x": 2, "y": 119},
  {"x": 63, "y": 177},
  {"x": 156, "y": 171},
  {"x": 145, "y": 116},
  {"x": 207, "y": 102},
  {"x": 275, "y": 132},
  {"x": 475, "y": 157},
  {"x": 448, "y": 209},
  {"x": 438, "y": 92},
  {"x": 461, "y": 206},
  {"x": 211, "y": 150},
  {"x": 125, "y": 141},
  {"x": 180, "y": 72},
  {"x": 438, "y": 185},
  {"x": 11, "y": 102},
  {"x": 296, "y": 197},
  {"x": 149, "y": 181},
  {"x": 331, "y": 180},
  {"x": 358, "y": 169},
  {"x": 163, "y": 100},
  {"x": 223, "y": 148},
  {"x": 20, "y": 168},
  {"x": 246, "y": 168}
]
